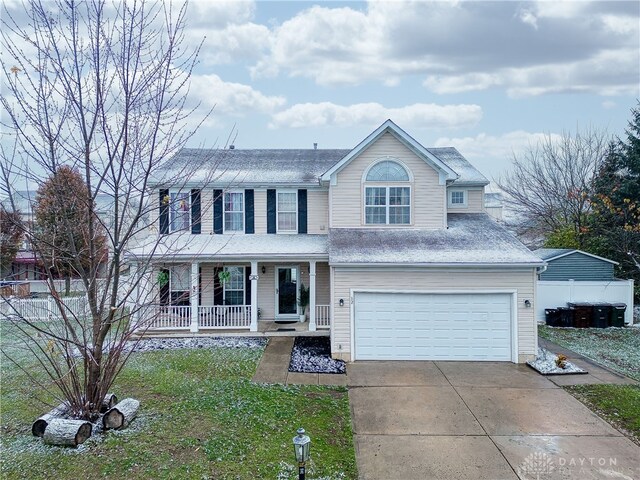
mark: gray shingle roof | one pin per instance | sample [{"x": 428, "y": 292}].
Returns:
[
  {"x": 547, "y": 253},
  {"x": 257, "y": 246},
  {"x": 468, "y": 175},
  {"x": 256, "y": 166},
  {"x": 470, "y": 239}
]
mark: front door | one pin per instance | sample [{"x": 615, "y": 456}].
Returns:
[{"x": 286, "y": 292}]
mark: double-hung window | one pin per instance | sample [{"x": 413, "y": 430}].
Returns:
[
  {"x": 234, "y": 211},
  {"x": 387, "y": 204},
  {"x": 287, "y": 212},
  {"x": 234, "y": 286},
  {"x": 179, "y": 284},
  {"x": 180, "y": 211}
]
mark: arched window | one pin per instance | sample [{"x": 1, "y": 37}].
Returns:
[
  {"x": 387, "y": 171},
  {"x": 387, "y": 204}
]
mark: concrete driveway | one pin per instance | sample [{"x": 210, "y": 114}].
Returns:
[{"x": 477, "y": 420}]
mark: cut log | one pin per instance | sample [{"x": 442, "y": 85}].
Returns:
[
  {"x": 108, "y": 402},
  {"x": 39, "y": 426},
  {"x": 121, "y": 415},
  {"x": 66, "y": 432}
]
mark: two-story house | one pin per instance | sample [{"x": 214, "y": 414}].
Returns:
[{"x": 391, "y": 238}]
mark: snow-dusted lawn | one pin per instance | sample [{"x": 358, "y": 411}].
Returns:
[
  {"x": 201, "y": 417},
  {"x": 616, "y": 348}
]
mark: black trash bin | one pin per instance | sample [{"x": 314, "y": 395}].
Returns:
[
  {"x": 552, "y": 317},
  {"x": 617, "y": 314},
  {"x": 582, "y": 314},
  {"x": 601, "y": 315},
  {"x": 565, "y": 317}
]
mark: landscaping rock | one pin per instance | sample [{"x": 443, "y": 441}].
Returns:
[{"x": 313, "y": 355}]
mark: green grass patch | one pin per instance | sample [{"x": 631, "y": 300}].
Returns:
[
  {"x": 201, "y": 417},
  {"x": 616, "y": 348},
  {"x": 618, "y": 404}
]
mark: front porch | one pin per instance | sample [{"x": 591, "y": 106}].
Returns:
[{"x": 261, "y": 298}]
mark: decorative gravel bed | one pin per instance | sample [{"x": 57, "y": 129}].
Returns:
[
  {"x": 153, "y": 344},
  {"x": 313, "y": 355},
  {"x": 545, "y": 363}
]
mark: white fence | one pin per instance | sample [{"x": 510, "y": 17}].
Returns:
[
  {"x": 34, "y": 309},
  {"x": 552, "y": 294}
]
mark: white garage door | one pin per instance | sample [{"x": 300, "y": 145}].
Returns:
[{"x": 418, "y": 326}]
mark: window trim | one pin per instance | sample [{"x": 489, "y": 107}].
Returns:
[
  {"x": 387, "y": 159},
  {"x": 465, "y": 196},
  {"x": 244, "y": 285},
  {"x": 224, "y": 212},
  {"x": 387, "y": 186},
  {"x": 188, "y": 193},
  {"x": 295, "y": 229}
]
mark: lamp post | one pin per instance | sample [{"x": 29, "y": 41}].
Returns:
[{"x": 301, "y": 445}]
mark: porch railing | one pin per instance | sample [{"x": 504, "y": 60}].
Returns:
[
  {"x": 225, "y": 316},
  {"x": 323, "y": 316},
  {"x": 170, "y": 316}
]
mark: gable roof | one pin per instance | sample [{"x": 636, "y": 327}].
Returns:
[
  {"x": 468, "y": 175},
  {"x": 250, "y": 167},
  {"x": 471, "y": 239},
  {"x": 390, "y": 127},
  {"x": 550, "y": 254}
]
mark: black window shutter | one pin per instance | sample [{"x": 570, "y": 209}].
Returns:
[
  {"x": 218, "y": 291},
  {"x": 217, "y": 211},
  {"x": 302, "y": 210},
  {"x": 164, "y": 289},
  {"x": 271, "y": 211},
  {"x": 249, "y": 224},
  {"x": 196, "y": 225},
  {"x": 164, "y": 211},
  {"x": 247, "y": 289}
]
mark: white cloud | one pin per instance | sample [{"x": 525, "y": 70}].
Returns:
[
  {"x": 608, "y": 104},
  {"x": 232, "y": 98},
  {"x": 492, "y": 154},
  {"x": 418, "y": 115},
  {"x": 542, "y": 48}
]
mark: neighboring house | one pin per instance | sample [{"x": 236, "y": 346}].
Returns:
[
  {"x": 575, "y": 276},
  {"x": 392, "y": 239},
  {"x": 493, "y": 205},
  {"x": 27, "y": 266}
]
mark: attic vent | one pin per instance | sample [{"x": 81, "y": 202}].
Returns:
[
  {"x": 231, "y": 147},
  {"x": 315, "y": 146}
]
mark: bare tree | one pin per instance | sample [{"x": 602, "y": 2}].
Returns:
[
  {"x": 550, "y": 184},
  {"x": 100, "y": 88}
]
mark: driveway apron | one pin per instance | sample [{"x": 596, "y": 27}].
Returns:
[{"x": 477, "y": 420}]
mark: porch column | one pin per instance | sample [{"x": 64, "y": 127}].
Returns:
[
  {"x": 195, "y": 296},
  {"x": 254, "y": 296},
  {"x": 312, "y": 296}
]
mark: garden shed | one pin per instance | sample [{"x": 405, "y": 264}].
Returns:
[{"x": 576, "y": 276}]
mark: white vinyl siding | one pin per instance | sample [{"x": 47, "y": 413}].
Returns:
[
  {"x": 260, "y": 211},
  {"x": 431, "y": 280},
  {"x": 473, "y": 200},
  {"x": 428, "y": 196},
  {"x": 317, "y": 212}
]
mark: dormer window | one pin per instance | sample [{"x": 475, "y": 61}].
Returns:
[{"x": 387, "y": 204}]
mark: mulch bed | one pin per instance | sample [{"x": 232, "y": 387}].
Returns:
[{"x": 313, "y": 355}]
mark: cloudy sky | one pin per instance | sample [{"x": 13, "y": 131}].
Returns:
[{"x": 486, "y": 77}]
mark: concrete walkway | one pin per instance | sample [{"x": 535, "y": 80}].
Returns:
[
  {"x": 477, "y": 420},
  {"x": 274, "y": 367}
]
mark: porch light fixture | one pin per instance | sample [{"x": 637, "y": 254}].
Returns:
[
  {"x": 264, "y": 270},
  {"x": 341, "y": 302},
  {"x": 301, "y": 447},
  {"x": 527, "y": 303}
]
